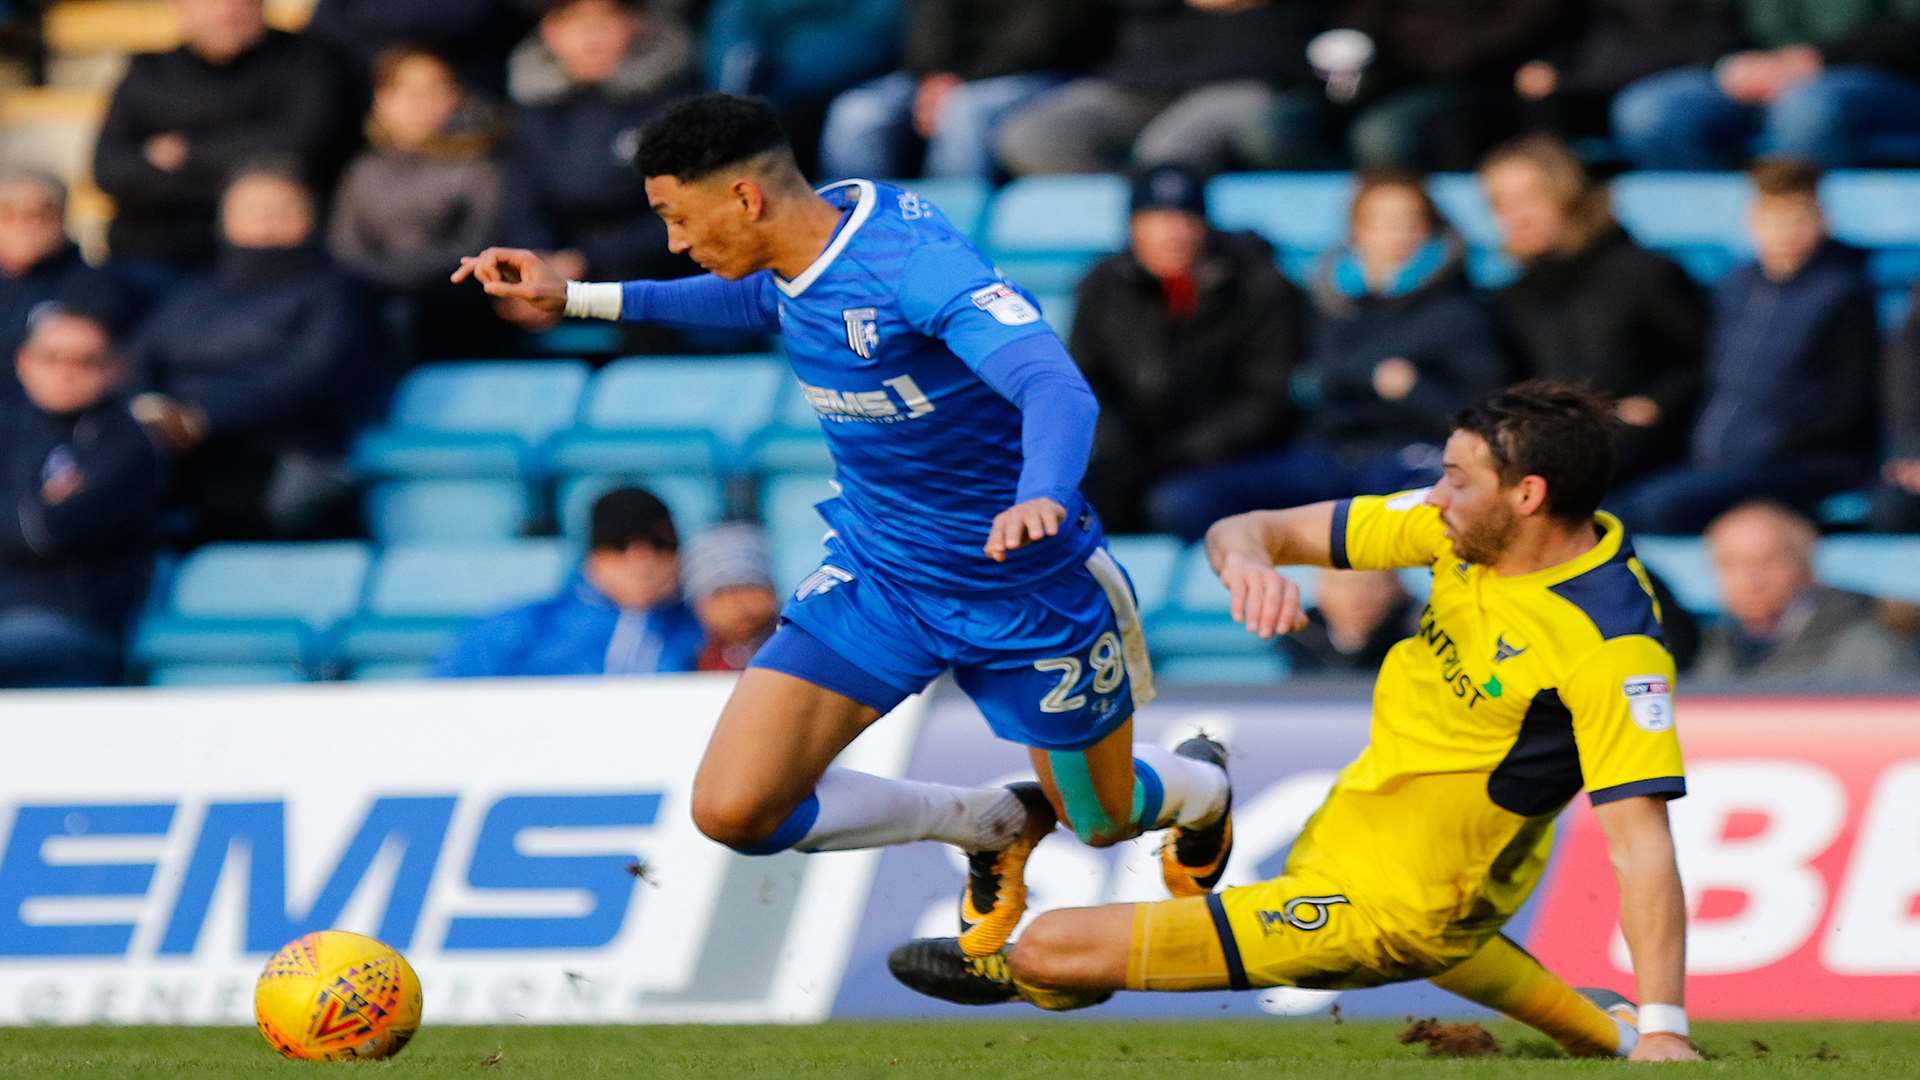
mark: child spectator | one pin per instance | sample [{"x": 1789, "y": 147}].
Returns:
[
  {"x": 1591, "y": 306},
  {"x": 1792, "y": 361},
  {"x": 79, "y": 492},
  {"x": 728, "y": 576},
  {"x": 255, "y": 378},
  {"x": 621, "y": 614},
  {"x": 426, "y": 193}
]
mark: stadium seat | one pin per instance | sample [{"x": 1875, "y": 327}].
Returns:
[
  {"x": 1151, "y": 562},
  {"x": 1682, "y": 562},
  {"x": 659, "y": 415},
  {"x": 396, "y": 671},
  {"x": 961, "y": 199},
  {"x": 786, "y": 506},
  {"x": 1885, "y": 566},
  {"x": 1243, "y": 669},
  {"x": 694, "y": 500},
  {"x": 420, "y": 595},
  {"x": 1044, "y": 231},
  {"x": 475, "y": 419},
  {"x": 1301, "y": 214},
  {"x": 1058, "y": 309},
  {"x": 253, "y": 604},
  {"x": 1198, "y": 620},
  {"x": 792, "y": 443},
  {"x": 1697, "y": 219},
  {"x": 1463, "y": 202},
  {"x": 182, "y": 675},
  {"x": 408, "y": 511}
]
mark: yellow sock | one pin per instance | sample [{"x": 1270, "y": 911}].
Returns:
[{"x": 1503, "y": 977}]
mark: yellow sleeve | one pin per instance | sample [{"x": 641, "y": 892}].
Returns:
[
  {"x": 1621, "y": 698},
  {"x": 1386, "y": 532}
]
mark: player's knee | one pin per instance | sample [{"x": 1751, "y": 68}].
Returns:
[
  {"x": 741, "y": 823},
  {"x": 1108, "y": 836},
  {"x": 1044, "y": 954}
]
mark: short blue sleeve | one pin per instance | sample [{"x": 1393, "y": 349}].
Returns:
[{"x": 948, "y": 292}]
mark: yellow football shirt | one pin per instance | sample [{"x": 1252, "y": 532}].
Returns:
[{"x": 1514, "y": 694}]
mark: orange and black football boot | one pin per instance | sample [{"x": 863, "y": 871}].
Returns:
[
  {"x": 996, "y": 894},
  {"x": 1192, "y": 860}
]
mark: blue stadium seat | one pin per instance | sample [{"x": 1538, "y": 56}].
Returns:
[
  {"x": 658, "y": 415},
  {"x": 1895, "y": 305},
  {"x": 387, "y": 671},
  {"x": 792, "y": 443},
  {"x": 694, "y": 500},
  {"x": 1044, "y": 231},
  {"x": 187, "y": 675},
  {"x": 1222, "y": 669},
  {"x": 1198, "y": 621},
  {"x": 1151, "y": 562},
  {"x": 1883, "y": 566},
  {"x": 406, "y": 511},
  {"x": 1682, "y": 562},
  {"x": 419, "y": 595},
  {"x": 472, "y": 419},
  {"x": 1299, "y": 213},
  {"x": 963, "y": 200},
  {"x": 1058, "y": 308},
  {"x": 786, "y": 506},
  {"x": 253, "y": 604},
  {"x": 1463, "y": 203},
  {"x": 1677, "y": 211}
]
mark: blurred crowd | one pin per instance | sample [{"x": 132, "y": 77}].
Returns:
[{"x": 287, "y": 207}]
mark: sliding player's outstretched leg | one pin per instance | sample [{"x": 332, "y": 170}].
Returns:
[{"x": 1506, "y": 978}]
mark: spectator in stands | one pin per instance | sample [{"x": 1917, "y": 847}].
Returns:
[
  {"x": 425, "y": 193},
  {"x": 1189, "y": 339},
  {"x": 1896, "y": 506},
  {"x": 969, "y": 63},
  {"x": 621, "y": 614},
  {"x": 1432, "y": 89},
  {"x": 1401, "y": 342},
  {"x": 1568, "y": 88},
  {"x": 1356, "y": 617},
  {"x": 255, "y": 377},
  {"x": 584, "y": 85},
  {"x": 1789, "y": 411},
  {"x": 800, "y": 55},
  {"x": 1186, "y": 80},
  {"x": 1836, "y": 84},
  {"x": 182, "y": 121},
  {"x": 475, "y": 36},
  {"x": 38, "y": 262},
  {"x": 1781, "y": 625},
  {"x": 727, "y": 574},
  {"x": 1592, "y": 306},
  {"x": 80, "y": 487}
]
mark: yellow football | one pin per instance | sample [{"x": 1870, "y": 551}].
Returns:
[{"x": 333, "y": 995}]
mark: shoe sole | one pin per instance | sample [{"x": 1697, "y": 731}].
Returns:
[{"x": 935, "y": 968}]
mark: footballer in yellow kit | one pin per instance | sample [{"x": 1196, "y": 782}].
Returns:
[{"x": 1538, "y": 669}]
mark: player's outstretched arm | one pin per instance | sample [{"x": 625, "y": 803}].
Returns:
[
  {"x": 1653, "y": 918},
  {"x": 516, "y": 274},
  {"x": 1245, "y": 548}
]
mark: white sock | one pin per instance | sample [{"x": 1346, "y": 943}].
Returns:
[
  {"x": 860, "y": 810},
  {"x": 1194, "y": 792}
]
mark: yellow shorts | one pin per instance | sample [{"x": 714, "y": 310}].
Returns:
[{"x": 1293, "y": 930}]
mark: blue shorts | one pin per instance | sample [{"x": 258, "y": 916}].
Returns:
[{"x": 1058, "y": 666}]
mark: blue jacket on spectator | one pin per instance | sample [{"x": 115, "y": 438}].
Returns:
[
  {"x": 89, "y": 555},
  {"x": 63, "y": 276},
  {"x": 578, "y": 632},
  {"x": 1791, "y": 364}
]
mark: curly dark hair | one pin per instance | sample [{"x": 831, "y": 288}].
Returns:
[
  {"x": 1556, "y": 431},
  {"x": 702, "y": 135}
]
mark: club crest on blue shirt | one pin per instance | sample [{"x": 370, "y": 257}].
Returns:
[{"x": 863, "y": 330}]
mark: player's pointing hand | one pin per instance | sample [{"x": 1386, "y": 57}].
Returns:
[
  {"x": 516, "y": 274},
  {"x": 1029, "y": 522},
  {"x": 1264, "y": 601}
]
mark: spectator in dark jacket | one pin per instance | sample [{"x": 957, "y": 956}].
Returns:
[
  {"x": 425, "y": 193},
  {"x": 1434, "y": 88},
  {"x": 621, "y": 614},
  {"x": 1401, "y": 342},
  {"x": 727, "y": 574},
  {"x": 1896, "y": 506},
  {"x": 1188, "y": 339},
  {"x": 1357, "y": 616},
  {"x": 1569, "y": 87},
  {"x": 474, "y": 35},
  {"x": 1591, "y": 306},
  {"x": 584, "y": 86},
  {"x": 969, "y": 64},
  {"x": 1789, "y": 410},
  {"x": 182, "y": 121},
  {"x": 79, "y": 491},
  {"x": 1186, "y": 80},
  {"x": 37, "y": 261},
  {"x": 1828, "y": 82},
  {"x": 255, "y": 378},
  {"x": 1782, "y": 626}
]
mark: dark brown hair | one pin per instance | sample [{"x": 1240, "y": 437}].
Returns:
[
  {"x": 1558, "y": 432},
  {"x": 1785, "y": 176},
  {"x": 1368, "y": 181},
  {"x": 386, "y": 63}
]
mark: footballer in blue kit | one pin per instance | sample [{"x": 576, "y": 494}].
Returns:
[{"x": 959, "y": 429}]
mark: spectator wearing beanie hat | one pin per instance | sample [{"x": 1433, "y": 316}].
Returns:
[{"x": 727, "y": 574}]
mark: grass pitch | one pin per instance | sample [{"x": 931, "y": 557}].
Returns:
[{"x": 983, "y": 1050}]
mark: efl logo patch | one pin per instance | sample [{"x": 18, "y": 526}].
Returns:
[
  {"x": 1007, "y": 307},
  {"x": 1650, "y": 702}
]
